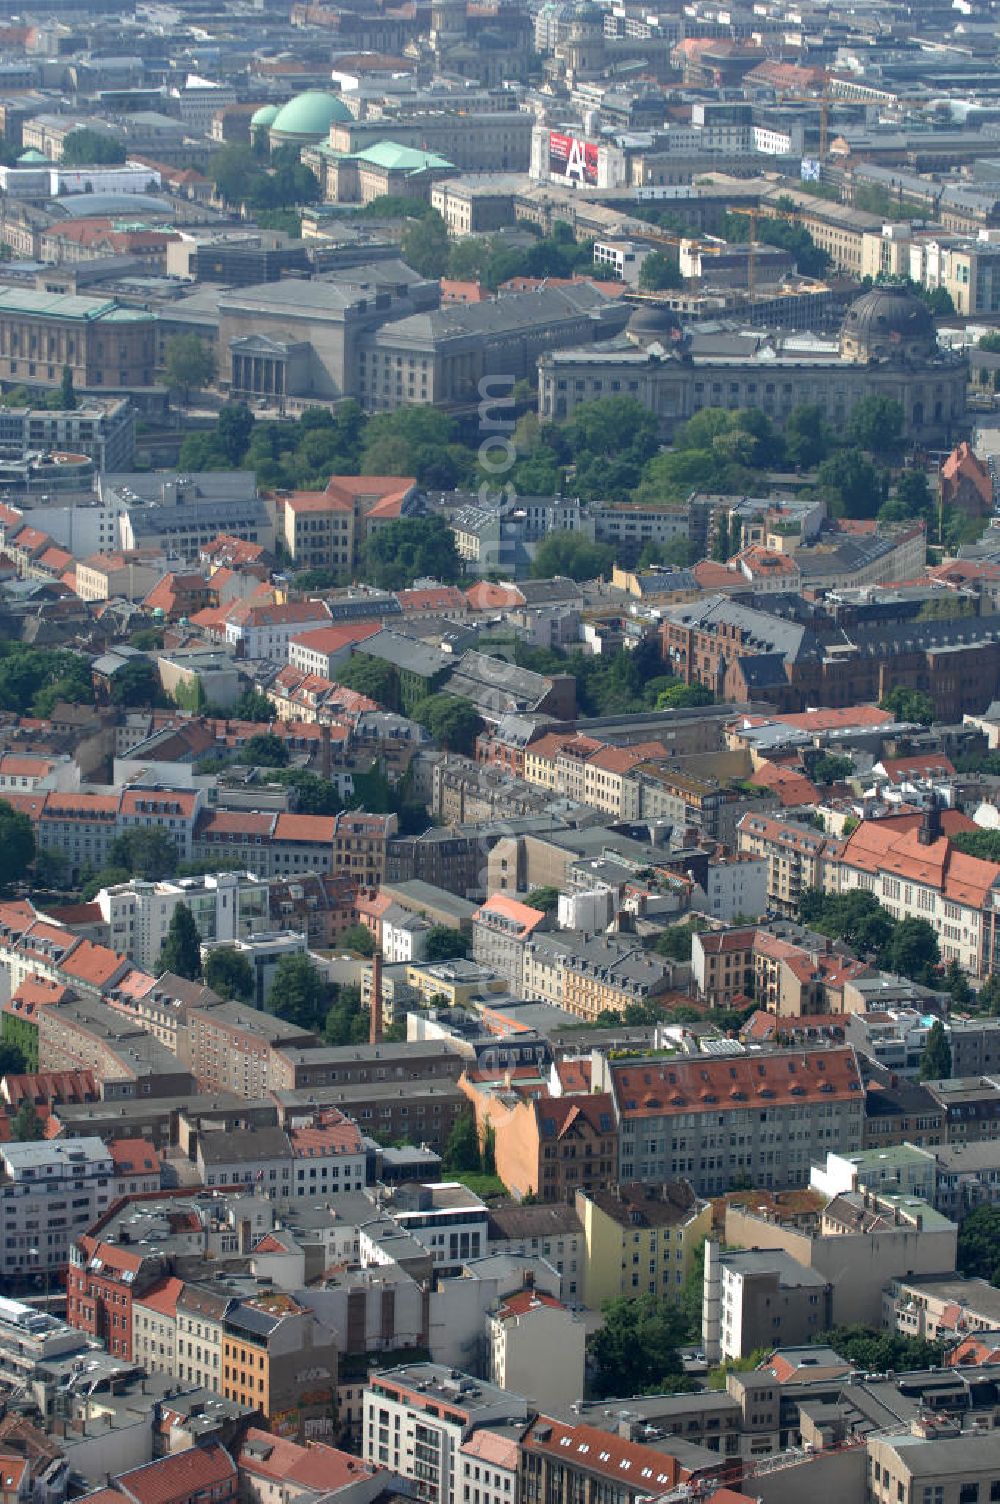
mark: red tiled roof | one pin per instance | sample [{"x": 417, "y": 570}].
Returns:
[
  {"x": 332, "y": 639},
  {"x": 519, "y": 914},
  {"x": 525, "y": 1301},
  {"x": 321, "y": 1468},
  {"x": 180, "y": 1476},
  {"x": 92, "y": 963},
  {"x": 662, "y": 1088},
  {"x": 893, "y": 846},
  {"x": 163, "y": 1296},
  {"x": 133, "y": 1156}
]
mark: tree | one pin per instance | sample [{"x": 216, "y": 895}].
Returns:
[
  {"x": 136, "y": 683},
  {"x": 454, "y": 723},
  {"x": 807, "y": 437},
  {"x": 146, "y": 852},
  {"x": 442, "y": 943},
  {"x": 910, "y": 705},
  {"x": 346, "y": 1021},
  {"x": 882, "y": 1352},
  {"x": 187, "y": 363},
  {"x": 417, "y": 441},
  {"x": 26, "y": 1126},
  {"x": 850, "y": 484},
  {"x": 264, "y": 750},
  {"x": 411, "y": 548},
  {"x": 570, "y": 554},
  {"x": 298, "y": 993},
  {"x": 461, "y": 1151},
  {"x": 89, "y": 148},
  {"x": 424, "y": 245},
  {"x": 314, "y": 795},
  {"x": 637, "y": 1349},
  {"x": 546, "y": 899},
  {"x": 957, "y": 984},
  {"x": 876, "y": 424},
  {"x": 830, "y": 767},
  {"x": 358, "y": 937},
  {"x": 979, "y": 1244},
  {"x": 912, "y": 951},
  {"x": 67, "y": 396},
  {"x": 233, "y": 430},
  {"x": 676, "y": 940},
  {"x": 659, "y": 272},
  {"x": 17, "y": 844},
  {"x": 12, "y": 1061},
  {"x": 254, "y": 705},
  {"x": 935, "y": 1062},
  {"x": 913, "y": 494},
  {"x": 181, "y": 948},
  {"x": 229, "y": 973},
  {"x": 372, "y": 678}
]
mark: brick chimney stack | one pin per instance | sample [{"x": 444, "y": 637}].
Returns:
[{"x": 375, "y": 1032}]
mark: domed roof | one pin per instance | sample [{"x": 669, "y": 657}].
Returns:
[
  {"x": 310, "y": 114},
  {"x": 265, "y": 115},
  {"x": 650, "y": 322},
  {"x": 888, "y": 320},
  {"x": 31, "y": 156}
]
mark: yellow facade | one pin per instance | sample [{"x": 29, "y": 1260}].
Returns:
[{"x": 621, "y": 1258}]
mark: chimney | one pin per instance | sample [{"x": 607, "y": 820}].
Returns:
[
  {"x": 375, "y": 1034},
  {"x": 930, "y": 824}
]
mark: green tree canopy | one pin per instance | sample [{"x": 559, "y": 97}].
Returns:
[
  {"x": 89, "y": 148},
  {"x": 26, "y": 1126},
  {"x": 424, "y": 245},
  {"x": 229, "y": 973},
  {"x": 850, "y": 484},
  {"x": 912, "y": 950},
  {"x": 882, "y": 1352},
  {"x": 298, "y": 993},
  {"x": 12, "y": 1061},
  {"x": 264, "y": 750},
  {"x": 546, "y": 899},
  {"x": 359, "y": 937},
  {"x": 807, "y": 436},
  {"x": 570, "y": 554},
  {"x": 412, "y": 548},
  {"x": 876, "y": 424},
  {"x": 136, "y": 683},
  {"x": 370, "y": 677},
  {"x": 454, "y": 723},
  {"x": 146, "y": 852},
  {"x": 254, "y": 705},
  {"x": 442, "y": 943},
  {"x": 910, "y": 705},
  {"x": 17, "y": 844},
  {"x": 637, "y": 1350},
  {"x": 660, "y": 271},
  {"x": 314, "y": 795},
  {"x": 188, "y": 363},
  {"x": 461, "y": 1151},
  {"x": 979, "y": 1244},
  {"x": 233, "y": 430},
  {"x": 935, "y": 1062},
  {"x": 181, "y": 948}
]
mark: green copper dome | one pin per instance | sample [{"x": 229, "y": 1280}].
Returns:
[
  {"x": 30, "y": 157},
  {"x": 309, "y": 116},
  {"x": 264, "y": 116}
]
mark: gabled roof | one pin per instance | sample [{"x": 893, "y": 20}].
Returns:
[{"x": 197, "y": 1471}]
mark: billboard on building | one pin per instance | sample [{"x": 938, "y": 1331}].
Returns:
[{"x": 573, "y": 159}]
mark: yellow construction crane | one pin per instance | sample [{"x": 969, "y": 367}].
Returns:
[
  {"x": 753, "y": 215},
  {"x": 823, "y": 100}
]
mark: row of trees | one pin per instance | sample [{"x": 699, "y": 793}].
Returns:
[{"x": 908, "y": 947}]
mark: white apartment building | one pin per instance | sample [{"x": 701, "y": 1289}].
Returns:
[
  {"x": 538, "y": 1349},
  {"x": 50, "y": 1192},
  {"x": 735, "y": 887},
  {"x": 416, "y": 1419},
  {"x": 404, "y": 934},
  {"x": 225, "y": 906},
  {"x": 448, "y": 1219}
]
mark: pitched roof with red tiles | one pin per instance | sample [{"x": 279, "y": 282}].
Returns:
[
  {"x": 791, "y": 787},
  {"x": 133, "y": 1156},
  {"x": 333, "y": 639},
  {"x": 662, "y": 1088},
  {"x": 558, "y": 1117},
  {"x": 487, "y": 596},
  {"x": 318, "y": 1467},
  {"x": 434, "y": 598},
  {"x": 333, "y": 1134},
  {"x": 604, "y": 1453},
  {"x": 93, "y": 964},
  {"x": 525, "y": 1301},
  {"x": 574, "y": 1075},
  {"x": 34, "y": 993},
  {"x": 498, "y": 1451},
  {"x": 53, "y": 1088},
  {"x": 198, "y": 1471},
  {"x": 893, "y": 846},
  {"x": 926, "y": 765},
  {"x": 162, "y": 1297},
  {"x": 507, "y": 913},
  {"x": 319, "y": 830}
]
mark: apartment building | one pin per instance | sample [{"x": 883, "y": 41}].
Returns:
[
  {"x": 640, "y": 1239},
  {"x": 547, "y": 1147},
  {"x": 722, "y": 965},
  {"x": 606, "y": 975},
  {"x": 329, "y": 529},
  {"x": 255, "y": 631},
  {"x": 83, "y": 1033},
  {"x": 561, "y": 1460},
  {"x": 798, "y": 857},
  {"x": 757, "y": 1298},
  {"x": 538, "y": 1349},
  {"x": 224, "y": 906},
  {"x": 500, "y": 930},
  {"x": 49, "y": 1192},
  {"x": 231, "y": 1047},
  {"x": 278, "y": 1357},
  {"x": 949, "y": 1467},
  {"x": 764, "y": 1118},
  {"x": 911, "y": 866},
  {"x": 321, "y": 1157},
  {"x": 417, "y": 1417}
]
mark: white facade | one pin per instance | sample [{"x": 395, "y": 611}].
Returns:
[
  {"x": 128, "y": 178},
  {"x": 539, "y": 1350},
  {"x": 270, "y": 639},
  {"x": 586, "y": 911},
  {"x": 225, "y": 906},
  {"x": 453, "y": 1227},
  {"x": 735, "y": 886},
  {"x": 49, "y": 1193},
  {"x": 404, "y": 936}
]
